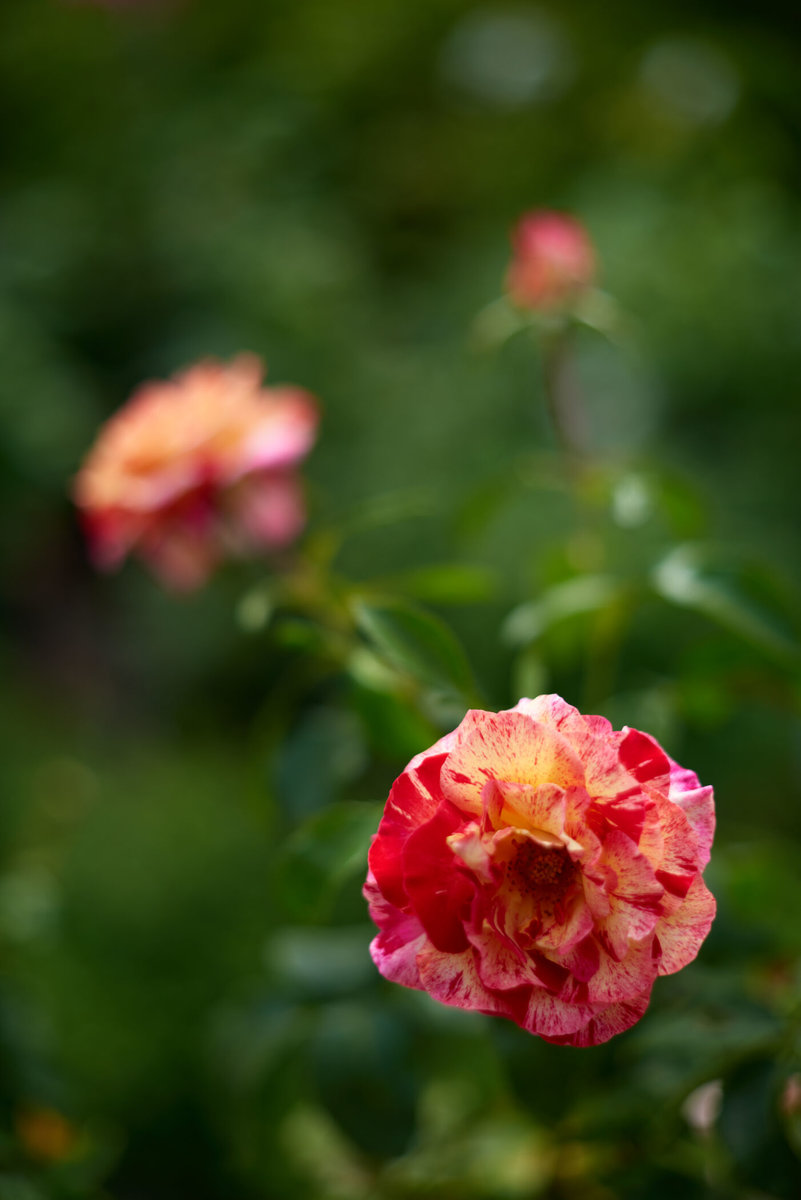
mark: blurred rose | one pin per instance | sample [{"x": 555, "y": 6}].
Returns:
[
  {"x": 196, "y": 468},
  {"x": 538, "y": 865},
  {"x": 553, "y": 261}
]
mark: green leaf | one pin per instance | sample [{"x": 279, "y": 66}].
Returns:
[
  {"x": 447, "y": 583},
  {"x": 529, "y": 673},
  {"x": 585, "y": 594},
  {"x": 414, "y": 641},
  {"x": 390, "y": 508},
  {"x": 322, "y": 854},
  {"x": 751, "y": 1130},
  {"x": 392, "y": 720},
  {"x": 255, "y": 608},
  {"x": 318, "y": 760},
  {"x": 685, "y": 577},
  {"x": 496, "y": 323},
  {"x": 321, "y": 960}
]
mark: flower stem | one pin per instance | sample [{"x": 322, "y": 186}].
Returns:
[{"x": 563, "y": 396}]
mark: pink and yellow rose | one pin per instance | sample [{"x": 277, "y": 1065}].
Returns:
[
  {"x": 538, "y": 865},
  {"x": 196, "y": 468}
]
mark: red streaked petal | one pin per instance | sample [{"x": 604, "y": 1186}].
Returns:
[
  {"x": 409, "y": 806},
  {"x": 614, "y": 1019},
  {"x": 454, "y": 979},
  {"x": 439, "y": 892},
  {"x": 698, "y": 803},
  {"x": 507, "y": 746},
  {"x": 554, "y": 1019},
  {"x": 623, "y": 980},
  {"x": 531, "y": 807},
  {"x": 680, "y": 859},
  {"x": 394, "y": 951},
  {"x": 681, "y": 934}
]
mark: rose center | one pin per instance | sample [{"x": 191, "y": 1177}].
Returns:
[{"x": 540, "y": 871}]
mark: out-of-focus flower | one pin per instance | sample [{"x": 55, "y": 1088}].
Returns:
[
  {"x": 45, "y": 1134},
  {"x": 702, "y": 1107},
  {"x": 195, "y": 468},
  {"x": 539, "y": 865},
  {"x": 553, "y": 261},
  {"x": 790, "y": 1100}
]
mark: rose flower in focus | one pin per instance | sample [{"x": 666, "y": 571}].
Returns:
[
  {"x": 538, "y": 865},
  {"x": 196, "y": 468},
  {"x": 553, "y": 261}
]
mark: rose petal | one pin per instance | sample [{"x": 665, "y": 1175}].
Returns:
[
  {"x": 507, "y": 746},
  {"x": 699, "y": 805},
  {"x": 409, "y": 806},
  {"x": 454, "y": 979},
  {"x": 681, "y": 934},
  {"x": 439, "y": 892},
  {"x": 614, "y": 1019}
]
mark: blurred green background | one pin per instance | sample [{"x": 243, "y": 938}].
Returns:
[{"x": 188, "y": 1009}]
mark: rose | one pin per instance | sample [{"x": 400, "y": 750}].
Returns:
[
  {"x": 553, "y": 261},
  {"x": 538, "y": 865},
  {"x": 197, "y": 467}
]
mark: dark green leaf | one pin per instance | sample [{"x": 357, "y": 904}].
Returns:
[
  {"x": 688, "y": 578},
  {"x": 415, "y": 642},
  {"x": 328, "y": 849}
]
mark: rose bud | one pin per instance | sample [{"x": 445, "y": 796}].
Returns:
[{"x": 553, "y": 262}]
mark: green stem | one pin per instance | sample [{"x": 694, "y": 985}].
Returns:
[{"x": 563, "y": 396}]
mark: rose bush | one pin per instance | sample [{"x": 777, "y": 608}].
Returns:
[
  {"x": 553, "y": 261},
  {"x": 197, "y": 467},
  {"x": 539, "y": 865}
]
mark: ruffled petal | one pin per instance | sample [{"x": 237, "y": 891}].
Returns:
[
  {"x": 439, "y": 892},
  {"x": 589, "y": 736},
  {"x": 645, "y": 759},
  {"x": 507, "y": 746},
  {"x": 502, "y": 963},
  {"x": 680, "y": 861},
  {"x": 698, "y": 803},
  {"x": 680, "y": 935},
  {"x": 454, "y": 979},
  {"x": 394, "y": 951},
  {"x": 603, "y": 1025},
  {"x": 562, "y": 936},
  {"x": 408, "y": 807},
  {"x": 542, "y": 807},
  {"x": 554, "y": 1019},
  {"x": 622, "y": 980}
]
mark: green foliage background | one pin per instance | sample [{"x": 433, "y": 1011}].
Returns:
[{"x": 190, "y": 785}]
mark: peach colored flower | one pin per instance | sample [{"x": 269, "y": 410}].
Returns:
[
  {"x": 538, "y": 865},
  {"x": 195, "y": 468},
  {"x": 553, "y": 261}
]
